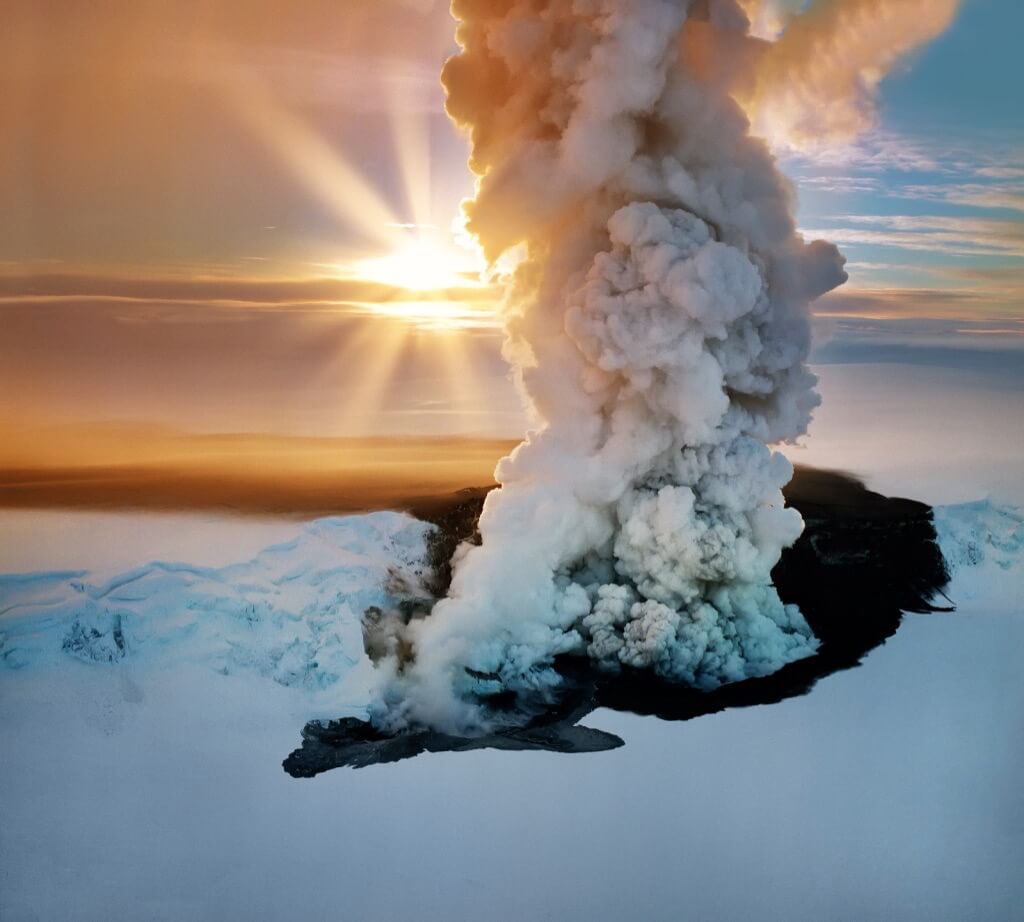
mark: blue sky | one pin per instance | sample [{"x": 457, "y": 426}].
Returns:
[{"x": 929, "y": 207}]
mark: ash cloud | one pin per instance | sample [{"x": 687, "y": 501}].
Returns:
[
  {"x": 818, "y": 81},
  {"x": 658, "y": 321}
]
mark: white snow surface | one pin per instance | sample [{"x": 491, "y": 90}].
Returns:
[
  {"x": 142, "y": 780},
  {"x": 291, "y": 614},
  {"x": 983, "y": 545}
]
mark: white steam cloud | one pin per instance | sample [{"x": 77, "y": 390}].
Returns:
[{"x": 659, "y": 324}]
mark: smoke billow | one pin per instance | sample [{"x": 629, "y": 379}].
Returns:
[
  {"x": 658, "y": 321},
  {"x": 817, "y": 81}
]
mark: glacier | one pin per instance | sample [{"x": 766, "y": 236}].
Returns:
[
  {"x": 292, "y": 614},
  {"x": 983, "y": 544}
]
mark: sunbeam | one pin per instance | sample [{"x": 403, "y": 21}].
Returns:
[
  {"x": 410, "y": 137},
  {"x": 462, "y": 381},
  {"x": 370, "y": 356},
  {"x": 312, "y": 161}
]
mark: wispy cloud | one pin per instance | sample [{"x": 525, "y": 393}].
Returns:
[
  {"x": 969, "y": 176},
  {"x": 949, "y": 235},
  {"x": 964, "y": 307},
  {"x": 876, "y": 151},
  {"x": 1005, "y": 278},
  {"x": 1003, "y": 196},
  {"x": 1002, "y": 172},
  {"x": 842, "y": 185},
  {"x": 253, "y": 292}
]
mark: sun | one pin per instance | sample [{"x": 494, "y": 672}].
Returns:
[
  {"x": 419, "y": 264},
  {"x": 433, "y": 283}
]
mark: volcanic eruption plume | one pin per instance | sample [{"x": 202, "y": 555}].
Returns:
[{"x": 658, "y": 322}]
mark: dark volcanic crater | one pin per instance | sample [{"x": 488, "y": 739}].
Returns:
[{"x": 862, "y": 562}]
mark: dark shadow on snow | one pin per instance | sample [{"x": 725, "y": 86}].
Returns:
[{"x": 862, "y": 562}]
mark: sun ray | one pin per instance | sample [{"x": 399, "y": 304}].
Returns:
[
  {"x": 370, "y": 358},
  {"x": 410, "y": 133},
  {"x": 460, "y": 376},
  {"x": 313, "y": 162},
  {"x": 416, "y": 257}
]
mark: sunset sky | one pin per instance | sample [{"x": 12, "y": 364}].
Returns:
[{"x": 237, "y": 216}]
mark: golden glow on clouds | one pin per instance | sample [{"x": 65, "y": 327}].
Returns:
[{"x": 436, "y": 315}]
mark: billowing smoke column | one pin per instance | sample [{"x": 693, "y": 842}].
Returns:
[{"x": 658, "y": 321}]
